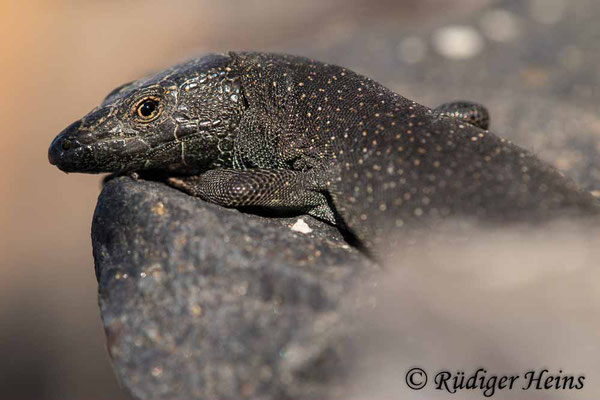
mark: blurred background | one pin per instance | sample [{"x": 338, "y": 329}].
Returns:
[{"x": 533, "y": 62}]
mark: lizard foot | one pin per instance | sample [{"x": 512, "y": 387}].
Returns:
[{"x": 472, "y": 113}]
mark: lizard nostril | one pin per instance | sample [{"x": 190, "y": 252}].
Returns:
[{"x": 66, "y": 144}]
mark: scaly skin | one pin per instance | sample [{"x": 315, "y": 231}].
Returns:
[{"x": 284, "y": 132}]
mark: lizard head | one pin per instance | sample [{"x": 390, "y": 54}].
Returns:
[{"x": 183, "y": 120}]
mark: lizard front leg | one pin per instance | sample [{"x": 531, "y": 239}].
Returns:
[{"x": 277, "y": 189}]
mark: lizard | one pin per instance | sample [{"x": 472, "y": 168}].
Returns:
[{"x": 282, "y": 132}]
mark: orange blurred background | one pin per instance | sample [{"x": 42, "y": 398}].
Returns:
[{"x": 59, "y": 59}]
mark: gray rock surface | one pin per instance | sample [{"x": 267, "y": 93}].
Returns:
[
  {"x": 204, "y": 302},
  {"x": 200, "y": 301}
]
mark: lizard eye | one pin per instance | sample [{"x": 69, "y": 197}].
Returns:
[{"x": 148, "y": 109}]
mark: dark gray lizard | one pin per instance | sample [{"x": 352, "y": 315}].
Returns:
[{"x": 285, "y": 132}]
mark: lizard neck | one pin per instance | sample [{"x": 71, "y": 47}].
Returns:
[{"x": 268, "y": 116}]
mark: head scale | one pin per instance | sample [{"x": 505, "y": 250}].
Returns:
[{"x": 183, "y": 119}]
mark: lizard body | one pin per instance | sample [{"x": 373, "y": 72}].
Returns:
[{"x": 285, "y": 132}]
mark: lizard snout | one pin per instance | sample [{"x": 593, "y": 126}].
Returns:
[
  {"x": 57, "y": 148},
  {"x": 63, "y": 144}
]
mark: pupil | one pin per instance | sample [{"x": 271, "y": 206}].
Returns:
[{"x": 148, "y": 107}]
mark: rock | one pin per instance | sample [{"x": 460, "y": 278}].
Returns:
[{"x": 200, "y": 301}]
